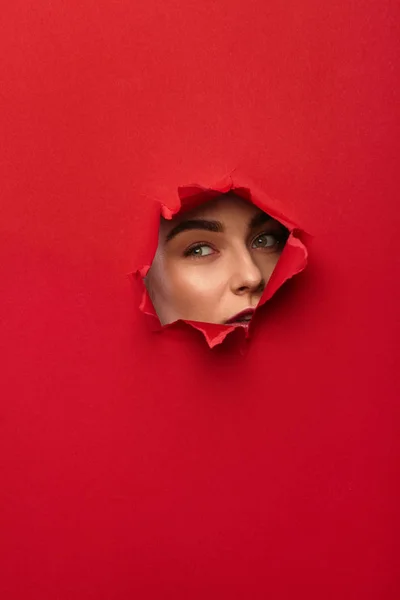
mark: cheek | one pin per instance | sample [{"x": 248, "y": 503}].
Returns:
[
  {"x": 194, "y": 282},
  {"x": 266, "y": 263},
  {"x": 157, "y": 283},
  {"x": 181, "y": 289}
]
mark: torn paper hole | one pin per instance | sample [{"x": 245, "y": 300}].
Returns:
[{"x": 221, "y": 255}]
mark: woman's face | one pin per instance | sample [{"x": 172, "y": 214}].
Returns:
[{"x": 212, "y": 263}]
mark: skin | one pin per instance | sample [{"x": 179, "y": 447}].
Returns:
[{"x": 214, "y": 261}]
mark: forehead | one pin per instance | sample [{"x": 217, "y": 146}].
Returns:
[{"x": 227, "y": 208}]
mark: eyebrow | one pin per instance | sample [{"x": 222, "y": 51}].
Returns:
[
  {"x": 214, "y": 226},
  {"x": 203, "y": 224}
]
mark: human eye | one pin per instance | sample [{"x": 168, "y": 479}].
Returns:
[
  {"x": 199, "y": 251},
  {"x": 265, "y": 240}
]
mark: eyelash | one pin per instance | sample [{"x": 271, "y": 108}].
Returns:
[
  {"x": 280, "y": 236},
  {"x": 189, "y": 251}
]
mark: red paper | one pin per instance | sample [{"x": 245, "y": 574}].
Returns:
[
  {"x": 292, "y": 261},
  {"x": 136, "y": 465}
]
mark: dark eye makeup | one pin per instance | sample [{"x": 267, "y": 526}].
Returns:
[
  {"x": 263, "y": 239},
  {"x": 270, "y": 240},
  {"x": 192, "y": 251}
]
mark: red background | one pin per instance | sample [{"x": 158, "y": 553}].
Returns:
[{"x": 136, "y": 465}]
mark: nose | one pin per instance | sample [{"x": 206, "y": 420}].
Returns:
[{"x": 247, "y": 278}]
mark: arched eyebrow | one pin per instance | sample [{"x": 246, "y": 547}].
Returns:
[
  {"x": 202, "y": 224},
  {"x": 214, "y": 226}
]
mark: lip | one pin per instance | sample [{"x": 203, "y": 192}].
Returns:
[{"x": 240, "y": 318}]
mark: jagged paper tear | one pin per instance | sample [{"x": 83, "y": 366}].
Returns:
[{"x": 292, "y": 261}]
